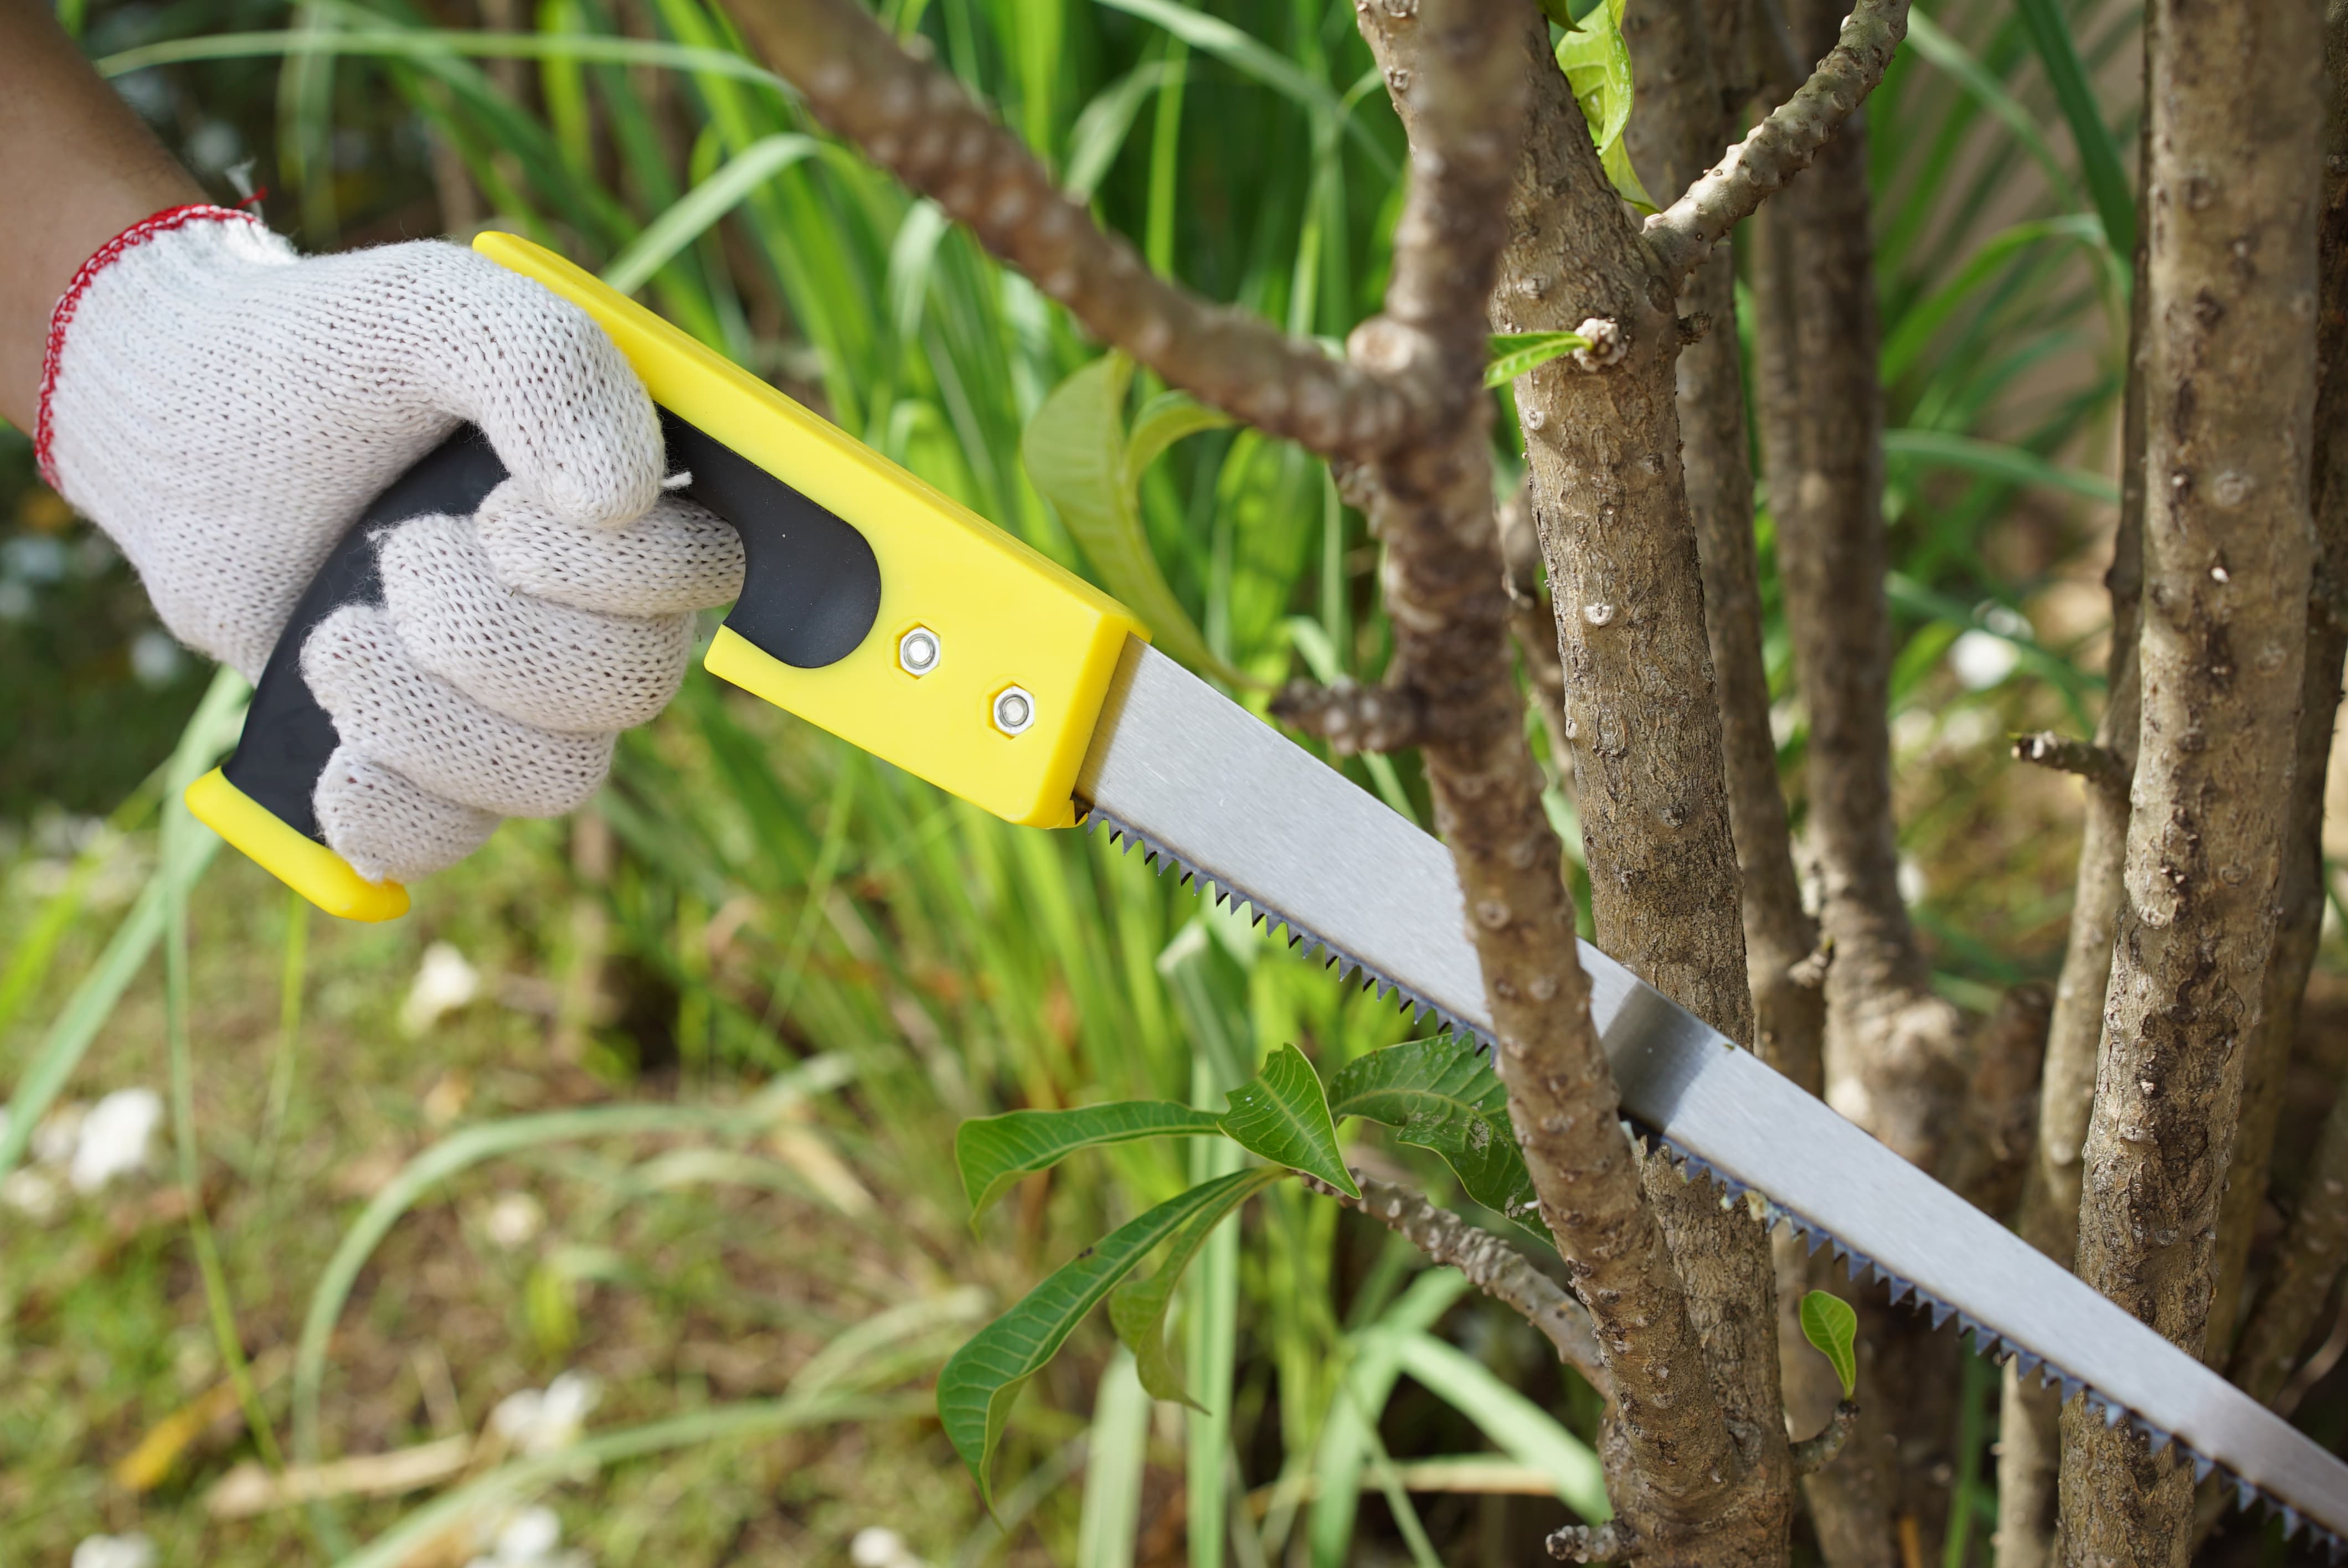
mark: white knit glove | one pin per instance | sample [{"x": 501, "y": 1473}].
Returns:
[{"x": 225, "y": 410}]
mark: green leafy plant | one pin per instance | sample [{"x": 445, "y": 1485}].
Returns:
[
  {"x": 1832, "y": 1328},
  {"x": 1439, "y": 1094}
]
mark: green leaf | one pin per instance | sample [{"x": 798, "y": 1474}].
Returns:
[
  {"x": 993, "y": 1152},
  {"x": 1076, "y": 452},
  {"x": 693, "y": 215},
  {"x": 1164, "y": 420},
  {"x": 1829, "y": 1324},
  {"x": 1281, "y": 1115},
  {"x": 1513, "y": 353},
  {"x": 1996, "y": 460},
  {"x": 981, "y": 1379},
  {"x": 1138, "y": 1312},
  {"x": 1597, "y": 66},
  {"x": 2099, "y": 152},
  {"x": 1442, "y": 1094}
]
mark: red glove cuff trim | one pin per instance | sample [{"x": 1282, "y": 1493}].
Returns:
[{"x": 138, "y": 234}]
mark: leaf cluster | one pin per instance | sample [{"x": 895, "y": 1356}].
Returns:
[{"x": 1439, "y": 1094}]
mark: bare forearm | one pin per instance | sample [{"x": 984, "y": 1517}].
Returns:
[{"x": 82, "y": 169}]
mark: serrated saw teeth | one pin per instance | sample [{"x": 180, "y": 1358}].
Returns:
[
  {"x": 1299, "y": 937},
  {"x": 1987, "y": 1340}
]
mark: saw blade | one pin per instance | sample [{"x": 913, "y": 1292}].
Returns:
[{"x": 1200, "y": 782}]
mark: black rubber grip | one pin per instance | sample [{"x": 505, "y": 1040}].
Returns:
[{"x": 810, "y": 589}]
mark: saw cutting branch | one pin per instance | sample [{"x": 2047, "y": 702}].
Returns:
[{"x": 892, "y": 615}]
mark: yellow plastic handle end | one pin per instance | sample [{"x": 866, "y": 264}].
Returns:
[{"x": 299, "y": 861}]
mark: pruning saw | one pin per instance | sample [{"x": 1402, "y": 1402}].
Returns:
[{"x": 890, "y": 615}]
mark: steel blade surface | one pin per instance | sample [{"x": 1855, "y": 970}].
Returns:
[{"x": 1196, "y": 778}]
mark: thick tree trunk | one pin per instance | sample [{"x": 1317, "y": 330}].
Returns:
[
  {"x": 2302, "y": 899},
  {"x": 2312, "y": 1248},
  {"x": 2230, "y": 376},
  {"x": 2029, "y": 1446},
  {"x": 1894, "y": 1049},
  {"x": 1609, "y": 502}
]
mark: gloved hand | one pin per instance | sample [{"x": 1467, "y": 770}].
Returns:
[{"x": 225, "y": 410}]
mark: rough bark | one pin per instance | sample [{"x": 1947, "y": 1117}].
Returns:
[
  {"x": 1612, "y": 510},
  {"x": 2317, "y": 1238},
  {"x": 1782, "y": 145},
  {"x": 2029, "y": 1445},
  {"x": 1895, "y": 1061},
  {"x": 2232, "y": 193},
  {"x": 2302, "y": 891},
  {"x": 1849, "y": 1513},
  {"x": 1681, "y": 113},
  {"x": 1674, "y": 1468}
]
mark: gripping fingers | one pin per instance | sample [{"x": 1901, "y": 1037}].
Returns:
[
  {"x": 387, "y": 710},
  {"x": 389, "y": 829},
  {"x": 556, "y": 398},
  {"x": 675, "y": 559},
  {"x": 546, "y": 664}
]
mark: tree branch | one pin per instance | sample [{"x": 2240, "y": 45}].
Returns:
[
  {"x": 2228, "y": 546},
  {"x": 2316, "y": 1242},
  {"x": 917, "y": 121},
  {"x": 1781, "y": 145},
  {"x": 1895, "y": 1049},
  {"x": 1669, "y": 1454},
  {"x": 1352, "y": 717},
  {"x": 1489, "y": 1264},
  {"x": 2030, "y": 1446},
  {"x": 2100, "y": 766},
  {"x": 2301, "y": 889},
  {"x": 1813, "y": 1454}
]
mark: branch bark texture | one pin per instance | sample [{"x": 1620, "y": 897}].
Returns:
[
  {"x": 1615, "y": 512},
  {"x": 1895, "y": 1051},
  {"x": 1671, "y": 1459},
  {"x": 1782, "y": 145},
  {"x": 2317, "y": 1239},
  {"x": 2030, "y": 1445},
  {"x": 2302, "y": 891},
  {"x": 918, "y": 123},
  {"x": 2230, "y": 381}
]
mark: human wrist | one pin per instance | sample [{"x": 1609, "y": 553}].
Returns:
[{"x": 156, "y": 227}]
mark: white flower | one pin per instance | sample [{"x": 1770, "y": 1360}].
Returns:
[
  {"x": 133, "y": 1551},
  {"x": 444, "y": 982},
  {"x": 513, "y": 1218},
  {"x": 1913, "y": 886},
  {"x": 115, "y": 1136},
  {"x": 526, "y": 1538},
  {"x": 1982, "y": 660},
  {"x": 877, "y": 1546},
  {"x": 541, "y": 1422}
]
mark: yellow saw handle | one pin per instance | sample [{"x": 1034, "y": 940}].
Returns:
[{"x": 873, "y": 605}]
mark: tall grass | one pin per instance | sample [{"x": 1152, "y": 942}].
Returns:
[{"x": 794, "y": 900}]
